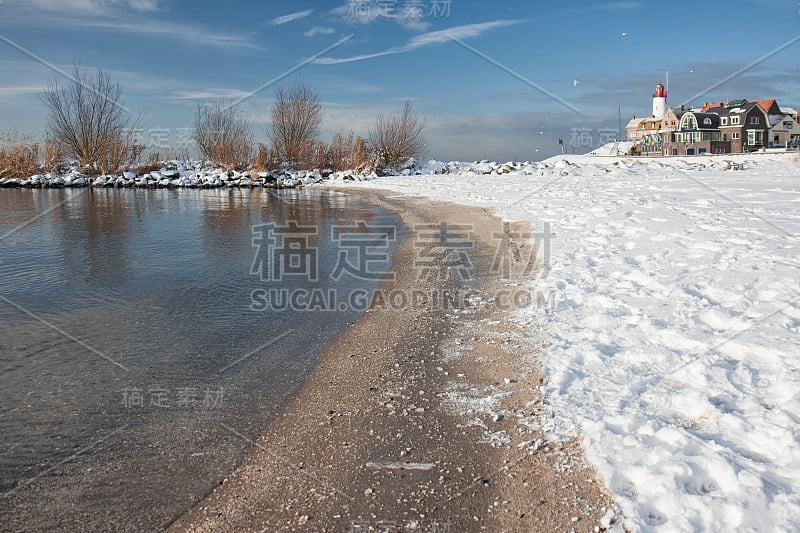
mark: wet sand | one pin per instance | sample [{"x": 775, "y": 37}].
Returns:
[{"x": 379, "y": 439}]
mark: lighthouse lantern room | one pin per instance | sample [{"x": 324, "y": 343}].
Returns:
[{"x": 660, "y": 101}]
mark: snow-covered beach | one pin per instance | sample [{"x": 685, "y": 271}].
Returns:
[{"x": 673, "y": 347}]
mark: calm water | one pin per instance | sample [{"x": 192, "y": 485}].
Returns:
[{"x": 121, "y": 313}]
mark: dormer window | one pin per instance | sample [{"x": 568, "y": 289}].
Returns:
[
  {"x": 724, "y": 121},
  {"x": 735, "y": 120},
  {"x": 707, "y": 122}
]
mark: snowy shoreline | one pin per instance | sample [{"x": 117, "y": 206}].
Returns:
[
  {"x": 195, "y": 175},
  {"x": 673, "y": 349}
]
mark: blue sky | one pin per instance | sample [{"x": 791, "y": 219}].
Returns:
[{"x": 495, "y": 80}]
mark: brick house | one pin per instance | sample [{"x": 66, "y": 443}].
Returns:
[
  {"x": 745, "y": 124},
  {"x": 697, "y": 133}
]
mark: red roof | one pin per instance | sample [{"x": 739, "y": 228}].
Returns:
[
  {"x": 709, "y": 106},
  {"x": 766, "y": 105}
]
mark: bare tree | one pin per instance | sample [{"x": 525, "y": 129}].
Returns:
[
  {"x": 223, "y": 136},
  {"x": 296, "y": 117},
  {"x": 396, "y": 139},
  {"x": 87, "y": 117}
]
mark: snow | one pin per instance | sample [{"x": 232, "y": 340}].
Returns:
[
  {"x": 179, "y": 174},
  {"x": 673, "y": 350}
]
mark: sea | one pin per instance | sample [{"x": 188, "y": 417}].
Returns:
[{"x": 148, "y": 337}]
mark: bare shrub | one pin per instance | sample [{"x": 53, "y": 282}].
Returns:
[
  {"x": 55, "y": 154},
  {"x": 19, "y": 155},
  {"x": 396, "y": 139},
  {"x": 296, "y": 117},
  {"x": 88, "y": 118},
  {"x": 348, "y": 152},
  {"x": 265, "y": 159},
  {"x": 223, "y": 136}
]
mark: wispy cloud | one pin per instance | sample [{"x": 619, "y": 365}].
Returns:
[
  {"x": 277, "y": 21},
  {"x": 617, "y": 6},
  {"x": 426, "y": 39},
  {"x": 137, "y": 25},
  {"x": 211, "y": 93},
  {"x": 318, "y": 30},
  {"x": 88, "y": 6},
  {"x": 22, "y": 90}
]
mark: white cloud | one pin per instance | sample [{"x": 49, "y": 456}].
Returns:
[
  {"x": 22, "y": 90},
  {"x": 614, "y": 6},
  {"x": 277, "y": 21},
  {"x": 426, "y": 39},
  {"x": 93, "y": 6},
  {"x": 318, "y": 30},
  {"x": 177, "y": 31},
  {"x": 211, "y": 93}
]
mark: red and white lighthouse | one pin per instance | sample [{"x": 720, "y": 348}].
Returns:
[{"x": 660, "y": 101}]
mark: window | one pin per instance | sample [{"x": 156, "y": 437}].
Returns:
[
  {"x": 724, "y": 121},
  {"x": 788, "y": 124},
  {"x": 735, "y": 135},
  {"x": 724, "y": 136},
  {"x": 754, "y": 137},
  {"x": 753, "y": 120},
  {"x": 707, "y": 122},
  {"x": 735, "y": 120},
  {"x": 688, "y": 122}
]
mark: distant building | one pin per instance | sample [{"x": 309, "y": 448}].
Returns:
[
  {"x": 745, "y": 124},
  {"x": 717, "y": 128},
  {"x": 697, "y": 133}
]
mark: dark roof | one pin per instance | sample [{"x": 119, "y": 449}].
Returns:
[
  {"x": 701, "y": 118},
  {"x": 727, "y": 110}
]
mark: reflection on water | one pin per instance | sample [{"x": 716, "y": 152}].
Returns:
[{"x": 122, "y": 317}]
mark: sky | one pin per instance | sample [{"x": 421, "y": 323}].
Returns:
[{"x": 493, "y": 80}]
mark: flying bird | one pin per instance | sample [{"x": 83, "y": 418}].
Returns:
[{"x": 575, "y": 83}]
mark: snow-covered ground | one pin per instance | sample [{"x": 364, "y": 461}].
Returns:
[{"x": 674, "y": 348}]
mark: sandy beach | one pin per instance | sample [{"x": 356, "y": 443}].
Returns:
[{"x": 372, "y": 442}]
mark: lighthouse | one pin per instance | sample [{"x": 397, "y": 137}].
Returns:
[{"x": 660, "y": 101}]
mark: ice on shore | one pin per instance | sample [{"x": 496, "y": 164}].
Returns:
[{"x": 674, "y": 346}]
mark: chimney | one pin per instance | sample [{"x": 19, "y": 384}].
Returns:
[{"x": 682, "y": 108}]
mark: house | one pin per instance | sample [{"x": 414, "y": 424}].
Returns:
[
  {"x": 633, "y": 130},
  {"x": 784, "y": 131},
  {"x": 745, "y": 124},
  {"x": 697, "y": 133},
  {"x": 669, "y": 123}
]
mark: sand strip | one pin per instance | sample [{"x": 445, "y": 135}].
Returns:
[{"x": 417, "y": 419}]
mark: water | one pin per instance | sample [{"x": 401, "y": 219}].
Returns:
[{"x": 134, "y": 372}]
